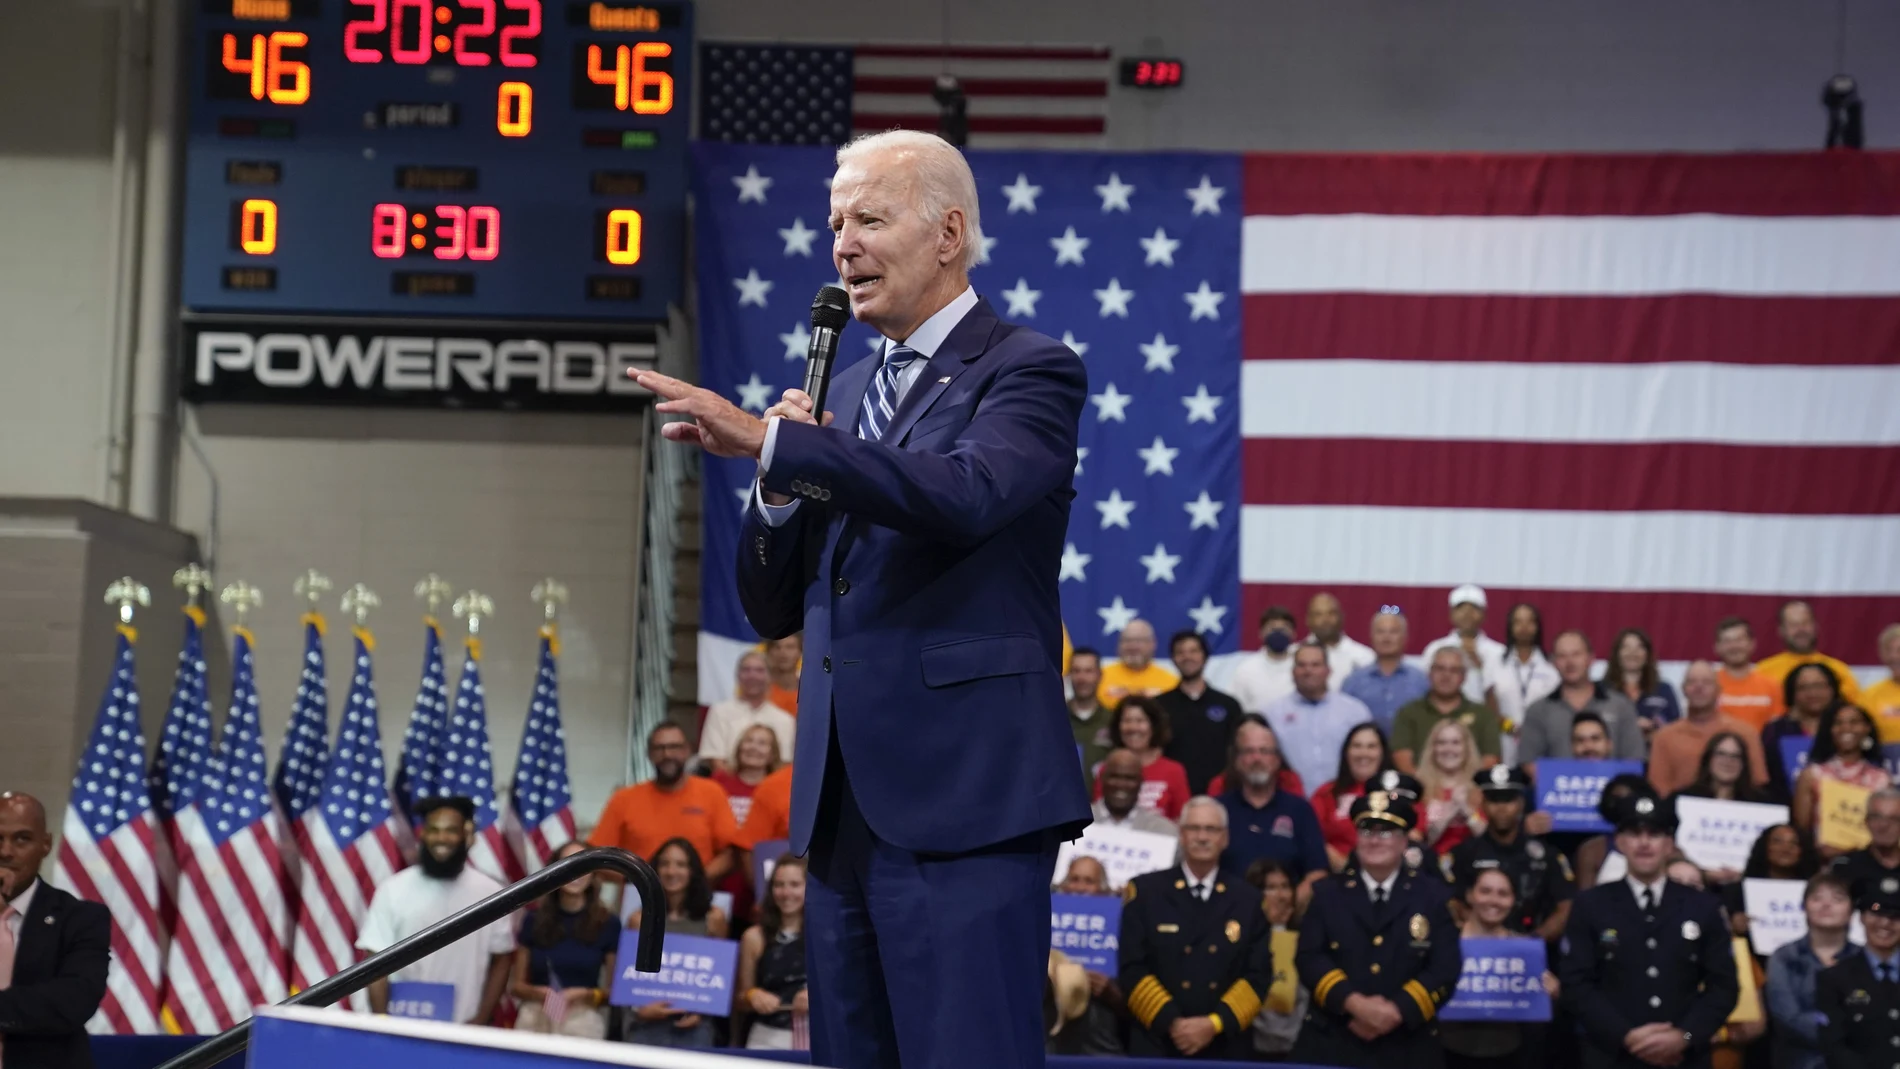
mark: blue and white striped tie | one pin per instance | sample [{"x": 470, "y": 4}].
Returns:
[{"x": 880, "y": 401}]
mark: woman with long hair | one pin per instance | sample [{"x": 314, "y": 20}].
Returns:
[
  {"x": 1526, "y": 673},
  {"x": 1362, "y": 756},
  {"x": 1783, "y": 852},
  {"x": 1632, "y": 673},
  {"x": 1726, "y": 773},
  {"x": 1141, "y": 727},
  {"x": 754, "y": 756},
  {"x": 566, "y": 951},
  {"x": 1490, "y": 907},
  {"x": 1274, "y": 1032},
  {"x": 772, "y": 961},
  {"x": 1453, "y": 808},
  {"x": 1809, "y": 691},
  {"x": 1845, "y": 749},
  {"x": 689, "y": 911}
]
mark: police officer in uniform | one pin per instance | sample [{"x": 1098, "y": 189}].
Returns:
[
  {"x": 1195, "y": 955},
  {"x": 1378, "y": 950},
  {"x": 1649, "y": 969},
  {"x": 1542, "y": 874},
  {"x": 1860, "y": 993}
]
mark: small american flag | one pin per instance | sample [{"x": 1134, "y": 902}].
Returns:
[
  {"x": 1018, "y": 95},
  {"x": 555, "y": 1004},
  {"x": 107, "y": 849},
  {"x": 228, "y": 954},
  {"x": 419, "y": 776},
  {"x": 540, "y": 816},
  {"x": 467, "y": 769},
  {"x": 350, "y": 841}
]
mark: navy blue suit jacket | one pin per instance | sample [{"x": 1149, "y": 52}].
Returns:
[
  {"x": 59, "y": 979},
  {"x": 923, "y": 569}
]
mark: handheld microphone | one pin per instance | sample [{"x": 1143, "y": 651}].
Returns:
[{"x": 829, "y": 312}]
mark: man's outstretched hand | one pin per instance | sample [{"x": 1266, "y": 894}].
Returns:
[{"x": 718, "y": 426}]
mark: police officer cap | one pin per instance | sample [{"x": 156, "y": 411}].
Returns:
[
  {"x": 1377, "y": 808},
  {"x": 1502, "y": 779},
  {"x": 1643, "y": 811},
  {"x": 1881, "y": 896},
  {"x": 1394, "y": 782}
]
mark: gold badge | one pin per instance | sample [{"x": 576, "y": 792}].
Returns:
[
  {"x": 1167, "y": 928},
  {"x": 1233, "y": 931},
  {"x": 1420, "y": 927},
  {"x": 1376, "y": 801}
]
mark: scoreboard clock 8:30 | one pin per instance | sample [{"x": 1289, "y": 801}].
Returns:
[{"x": 518, "y": 160}]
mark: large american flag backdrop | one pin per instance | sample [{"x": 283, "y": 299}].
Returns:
[{"x": 1634, "y": 390}]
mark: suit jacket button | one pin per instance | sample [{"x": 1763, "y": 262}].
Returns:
[
  {"x": 841, "y": 587},
  {"x": 827, "y": 664}
]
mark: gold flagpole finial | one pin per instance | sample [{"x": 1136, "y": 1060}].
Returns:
[
  {"x": 474, "y": 607},
  {"x": 550, "y": 594},
  {"x": 432, "y": 591},
  {"x": 311, "y": 586},
  {"x": 126, "y": 592},
  {"x": 194, "y": 579},
  {"x": 242, "y": 597},
  {"x": 358, "y": 601}
]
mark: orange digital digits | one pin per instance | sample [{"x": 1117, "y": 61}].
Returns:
[
  {"x": 257, "y": 227},
  {"x": 623, "y": 236},
  {"x": 631, "y": 79},
  {"x": 514, "y": 109},
  {"x": 268, "y": 68}
]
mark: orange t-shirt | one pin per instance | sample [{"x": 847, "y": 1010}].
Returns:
[
  {"x": 784, "y": 699},
  {"x": 771, "y": 815},
  {"x": 1754, "y": 699},
  {"x": 641, "y": 818},
  {"x": 1781, "y": 664}
]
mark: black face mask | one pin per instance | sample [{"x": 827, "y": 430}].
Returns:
[
  {"x": 446, "y": 869},
  {"x": 1278, "y": 641}
]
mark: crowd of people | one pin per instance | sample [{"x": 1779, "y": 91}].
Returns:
[{"x": 1365, "y": 802}]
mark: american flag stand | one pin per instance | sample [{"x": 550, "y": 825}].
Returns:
[
  {"x": 109, "y": 837},
  {"x": 466, "y": 763},
  {"x": 351, "y": 839},
  {"x": 540, "y": 816},
  {"x": 299, "y": 779},
  {"x": 184, "y": 747},
  {"x": 418, "y": 774}
]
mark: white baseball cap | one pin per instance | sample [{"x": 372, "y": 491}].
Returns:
[{"x": 1468, "y": 594}]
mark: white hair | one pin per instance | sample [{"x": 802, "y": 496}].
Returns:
[
  {"x": 944, "y": 180},
  {"x": 1206, "y": 802}
]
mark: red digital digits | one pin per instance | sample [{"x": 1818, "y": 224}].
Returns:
[
  {"x": 473, "y": 232},
  {"x": 415, "y": 32}
]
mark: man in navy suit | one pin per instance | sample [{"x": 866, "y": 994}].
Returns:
[
  {"x": 916, "y": 541},
  {"x": 54, "y": 950}
]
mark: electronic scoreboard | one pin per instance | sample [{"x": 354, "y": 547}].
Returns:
[{"x": 507, "y": 160}]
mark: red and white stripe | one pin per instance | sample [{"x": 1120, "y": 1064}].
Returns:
[
  {"x": 1020, "y": 96},
  {"x": 229, "y": 953},
  {"x": 491, "y": 854},
  {"x": 337, "y": 885},
  {"x": 120, "y": 871},
  {"x": 535, "y": 846},
  {"x": 1636, "y": 391}
]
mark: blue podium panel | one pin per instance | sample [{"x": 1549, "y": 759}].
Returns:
[{"x": 285, "y": 1037}]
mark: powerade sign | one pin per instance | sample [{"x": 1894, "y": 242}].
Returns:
[{"x": 406, "y": 364}]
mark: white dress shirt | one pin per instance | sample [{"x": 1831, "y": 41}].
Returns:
[
  {"x": 1343, "y": 657},
  {"x": 1194, "y": 882},
  {"x": 20, "y": 904},
  {"x": 1637, "y": 887},
  {"x": 1373, "y": 889},
  {"x": 925, "y": 341}
]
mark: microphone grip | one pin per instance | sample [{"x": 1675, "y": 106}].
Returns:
[{"x": 824, "y": 343}]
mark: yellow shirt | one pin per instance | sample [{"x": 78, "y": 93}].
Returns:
[
  {"x": 1119, "y": 682},
  {"x": 1778, "y": 667},
  {"x": 1883, "y": 701}
]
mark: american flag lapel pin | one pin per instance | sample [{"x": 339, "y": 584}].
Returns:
[{"x": 943, "y": 380}]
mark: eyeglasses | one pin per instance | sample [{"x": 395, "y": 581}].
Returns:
[
  {"x": 1391, "y": 610},
  {"x": 1258, "y": 751},
  {"x": 1734, "y": 755},
  {"x": 1202, "y": 829}
]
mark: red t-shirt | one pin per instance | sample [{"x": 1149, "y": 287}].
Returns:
[
  {"x": 1333, "y": 810},
  {"x": 1164, "y": 787},
  {"x": 738, "y": 793}
]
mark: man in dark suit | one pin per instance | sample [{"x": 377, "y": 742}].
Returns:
[
  {"x": 1649, "y": 970},
  {"x": 1859, "y": 994},
  {"x": 916, "y": 542},
  {"x": 54, "y": 950},
  {"x": 1194, "y": 952},
  {"x": 1378, "y": 949}
]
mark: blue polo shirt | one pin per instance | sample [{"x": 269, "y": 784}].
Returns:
[
  {"x": 1383, "y": 694},
  {"x": 1284, "y": 829}
]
